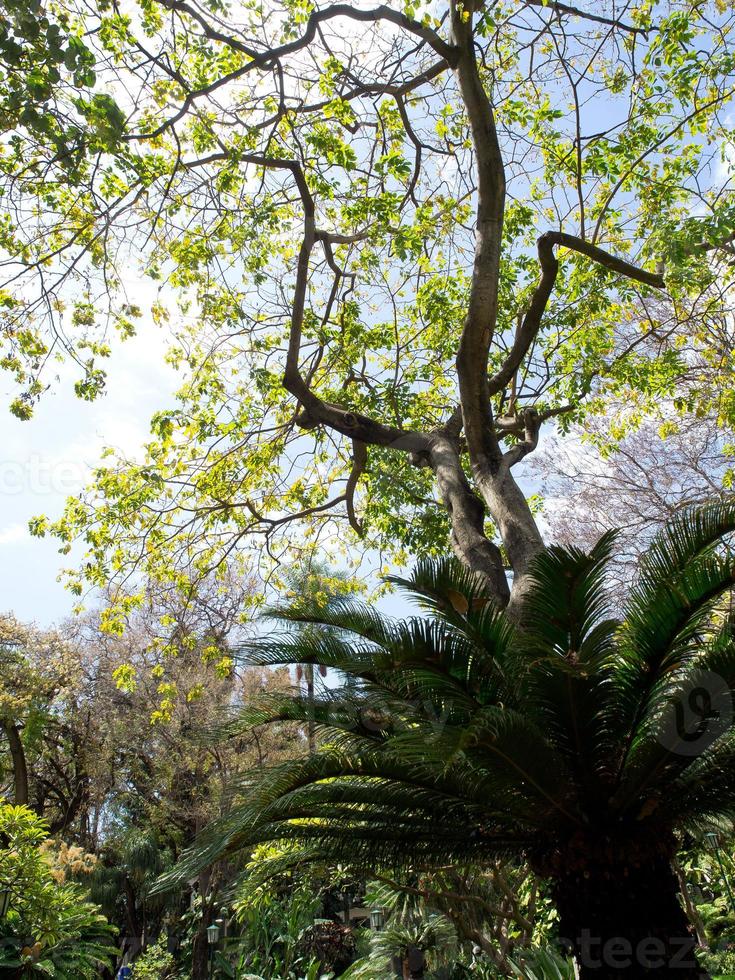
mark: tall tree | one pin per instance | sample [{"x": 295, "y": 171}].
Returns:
[
  {"x": 391, "y": 241},
  {"x": 36, "y": 669}
]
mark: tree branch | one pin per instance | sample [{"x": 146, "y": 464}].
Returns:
[
  {"x": 265, "y": 58},
  {"x": 531, "y": 322},
  {"x": 359, "y": 462},
  {"x": 20, "y": 767},
  {"x": 564, "y": 8},
  {"x": 479, "y": 325},
  {"x": 531, "y": 429},
  {"x": 504, "y": 498}
]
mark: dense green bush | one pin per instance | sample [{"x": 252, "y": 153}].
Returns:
[
  {"x": 156, "y": 963},
  {"x": 720, "y": 962},
  {"x": 51, "y": 930}
]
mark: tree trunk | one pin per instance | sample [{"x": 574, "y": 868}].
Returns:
[
  {"x": 200, "y": 952},
  {"x": 413, "y": 964},
  {"x": 200, "y": 948},
  {"x": 620, "y": 910},
  {"x": 309, "y": 675},
  {"x": 691, "y": 909},
  {"x": 20, "y": 769}
]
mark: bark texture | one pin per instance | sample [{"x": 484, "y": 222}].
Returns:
[
  {"x": 620, "y": 909},
  {"x": 20, "y": 767}
]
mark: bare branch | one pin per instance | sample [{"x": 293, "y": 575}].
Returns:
[
  {"x": 564, "y": 8},
  {"x": 531, "y": 323},
  {"x": 359, "y": 462}
]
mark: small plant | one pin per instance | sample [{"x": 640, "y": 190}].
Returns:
[
  {"x": 542, "y": 964},
  {"x": 331, "y": 944},
  {"x": 156, "y": 963}
]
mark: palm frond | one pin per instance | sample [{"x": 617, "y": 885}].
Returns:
[
  {"x": 689, "y": 534},
  {"x": 445, "y": 588},
  {"x": 564, "y": 614},
  {"x": 468, "y": 738}
]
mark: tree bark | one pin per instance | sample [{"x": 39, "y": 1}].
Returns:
[
  {"x": 200, "y": 947},
  {"x": 200, "y": 952},
  {"x": 311, "y": 728},
  {"x": 619, "y": 906},
  {"x": 467, "y": 516},
  {"x": 413, "y": 964},
  {"x": 20, "y": 768},
  {"x": 691, "y": 909}
]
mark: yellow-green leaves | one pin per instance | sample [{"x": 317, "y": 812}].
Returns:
[{"x": 125, "y": 678}]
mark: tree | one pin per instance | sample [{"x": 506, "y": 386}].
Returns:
[
  {"x": 399, "y": 239},
  {"x": 632, "y": 466},
  {"x": 124, "y": 761},
  {"x": 653, "y": 469},
  {"x": 580, "y": 742},
  {"x": 37, "y": 670},
  {"x": 162, "y": 775}
]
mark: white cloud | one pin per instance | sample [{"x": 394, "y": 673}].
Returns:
[{"x": 13, "y": 533}]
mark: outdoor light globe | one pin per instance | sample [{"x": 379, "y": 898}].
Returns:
[{"x": 212, "y": 934}]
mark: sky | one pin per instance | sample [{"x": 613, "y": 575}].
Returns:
[
  {"x": 47, "y": 459},
  {"x": 50, "y": 457}
]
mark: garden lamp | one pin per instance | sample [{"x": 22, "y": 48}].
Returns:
[
  {"x": 4, "y": 902},
  {"x": 377, "y": 919},
  {"x": 212, "y": 937}
]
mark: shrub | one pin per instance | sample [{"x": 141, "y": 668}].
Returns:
[
  {"x": 156, "y": 963},
  {"x": 50, "y": 929},
  {"x": 331, "y": 943}
]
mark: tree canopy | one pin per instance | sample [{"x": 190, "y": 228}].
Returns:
[{"x": 390, "y": 242}]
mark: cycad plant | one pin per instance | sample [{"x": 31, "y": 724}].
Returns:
[{"x": 581, "y": 739}]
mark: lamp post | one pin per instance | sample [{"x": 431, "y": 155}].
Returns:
[
  {"x": 212, "y": 937},
  {"x": 346, "y": 905},
  {"x": 713, "y": 840},
  {"x": 377, "y": 920},
  {"x": 4, "y": 902}
]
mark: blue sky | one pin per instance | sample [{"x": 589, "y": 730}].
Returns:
[{"x": 49, "y": 458}]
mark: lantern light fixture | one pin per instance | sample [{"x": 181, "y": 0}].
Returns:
[{"x": 377, "y": 919}]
